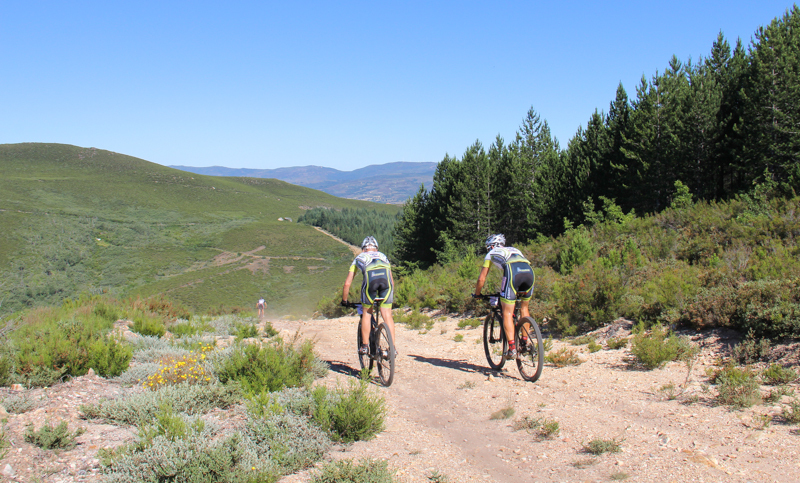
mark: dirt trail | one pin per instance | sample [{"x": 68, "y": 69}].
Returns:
[
  {"x": 352, "y": 248},
  {"x": 444, "y": 395}
]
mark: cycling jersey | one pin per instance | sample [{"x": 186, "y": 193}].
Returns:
[
  {"x": 517, "y": 283},
  {"x": 377, "y": 278}
]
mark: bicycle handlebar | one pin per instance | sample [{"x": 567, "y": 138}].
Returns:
[
  {"x": 485, "y": 296},
  {"x": 350, "y": 305}
]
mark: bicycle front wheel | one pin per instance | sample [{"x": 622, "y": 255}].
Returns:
[
  {"x": 385, "y": 355},
  {"x": 494, "y": 341},
  {"x": 363, "y": 359},
  {"x": 530, "y": 359}
]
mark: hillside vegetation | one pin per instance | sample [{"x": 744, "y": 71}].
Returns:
[{"x": 78, "y": 220}]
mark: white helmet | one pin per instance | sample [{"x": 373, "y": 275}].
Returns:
[
  {"x": 495, "y": 240},
  {"x": 369, "y": 241}
]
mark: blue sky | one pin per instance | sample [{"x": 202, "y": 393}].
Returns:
[{"x": 338, "y": 84}]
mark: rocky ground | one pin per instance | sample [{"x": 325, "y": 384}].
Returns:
[{"x": 440, "y": 427}]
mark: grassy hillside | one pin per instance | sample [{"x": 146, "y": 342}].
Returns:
[{"x": 76, "y": 220}]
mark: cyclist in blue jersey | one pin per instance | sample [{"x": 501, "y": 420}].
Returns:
[
  {"x": 517, "y": 284},
  {"x": 378, "y": 283}
]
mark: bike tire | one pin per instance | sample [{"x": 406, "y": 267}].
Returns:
[
  {"x": 385, "y": 355},
  {"x": 364, "y": 359},
  {"x": 531, "y": 360},
  {"x": 494, "y": 342}
]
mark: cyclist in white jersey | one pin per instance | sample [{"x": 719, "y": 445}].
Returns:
[
  {"x": 378, "y": 283},
  {"x": 517, "y": 284}
]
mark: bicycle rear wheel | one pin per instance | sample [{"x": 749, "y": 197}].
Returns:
[
  {"x": 364, "y": 359},
  {"x": 494, "y": 341},
  {"x": 385, "y": 355},
  {"x": 530, "y": 359}
]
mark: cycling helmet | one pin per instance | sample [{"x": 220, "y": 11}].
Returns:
[
  {"x": 369, "y": 241},
  {"x": 495, "y": 240}
]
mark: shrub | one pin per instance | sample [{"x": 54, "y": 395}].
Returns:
[
  {"x": 737, "y": 388},
  {"x": 271, "y": 367},
  {"x": 751, "y": 350},
  {"x": 458, "y": 337},
  {"x": 4, "y": 444},
  {"x": 594, "y": 346},
  {"x": 617, "y": 343},
  {"x": 414, "y": 320},
  {"x": 543, "y": 428},
  {"x": 189, "y": 369},
  {"x": 660, "y": 346},
  {"x": 346, "y": 471},
  {"x": 563, "y": 357},
  {"x": 776, "y": 375},
  {"x": 584, "y": 339},
  {"x": 353, "y": 413},
  {"x": 6, "y": 367},
  {"x": 46, "y": 351},
  {"x": 289, "y": 440},
  {"x": 52, "y": 437},
  {"x": 142, "y": 407},
  {"x": 147, "y": 325},
  {"x": 601, "y": 446},
  {"x": 19, "y": 403},
  {"x": 245, "y": 331},
  {"x": 469, "y": 323},
  {"x": 792, "y": 412},
  {"x": 197, "y": 457},
  {"x": 137, "y": 373}
]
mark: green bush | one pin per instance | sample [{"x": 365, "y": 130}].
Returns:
[
  {"x": 751, "y": 350},
  {"x": 52, "y": 437},
  {"x": 617, "y": 343},
  {"x": 244, "y": 331},
  {"x": 659, "y": 346},
  {"x": 19, "y": 403},
  {"x": 469, "y": 323},
  {"x": 353, "y": 413},
  {"x": 346, "y": 471},
  {"x": 792, "y": 412},
  {"x": 6, "y": 370},
  {"x": 776, "y": 375},
  {"x": 48, "y": 350},
  {"x": 602, "y": 446},
  {"x": 147, "y": 325},
  {"x": 414, "y": 320},
  {"x": 737, "y": 387},
  {"x": 271, "y": 367}
]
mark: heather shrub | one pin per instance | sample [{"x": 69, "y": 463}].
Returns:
[
  {"x": 776, "y": 375},
  {"x": 588, "y": 298},
  {"x": 792, "y": 412},
  {"x": 737, "y": 387},
  {"x": 137, "y": 373},
  {"x": 615, "y": 343},
  {"x": 659, "y": 346},
  {"x": 151, "y": 349},
  {"x": 52, "y": 437},
  {"x": 601, "y": 446},
  {"x": 346, "y": 471},
  {"x": 414, "y": 320},
  {"x": 751, "y": 350},
  {"x": 47, "y": 350},
  {"x": 768, "y": 308},
  {"x": 145, "y": 324},
  {"x": 271, "y": 367},
  {"x": 563, "y": 357},
  {"x": 353, "y": 413},
  {"x": 6, "y": 369}
]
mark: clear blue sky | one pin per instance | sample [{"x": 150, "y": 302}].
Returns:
[{"x": 339, "y": 84}]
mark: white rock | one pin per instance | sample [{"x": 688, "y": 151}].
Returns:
[{"x": 8, "y": 471}]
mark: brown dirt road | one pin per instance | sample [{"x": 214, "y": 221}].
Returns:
[{"x": 439, "y": 428}]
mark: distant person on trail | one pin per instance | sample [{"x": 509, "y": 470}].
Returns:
[
  {"x": 261, "y": 305},
  {"x": 517, "y": 284},
  {"x": 378, "y": 283}
]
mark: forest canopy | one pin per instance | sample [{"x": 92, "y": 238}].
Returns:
[{"x": 708, "y": 129}]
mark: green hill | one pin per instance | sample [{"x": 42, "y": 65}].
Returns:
[{"x": 75, "y": 220}]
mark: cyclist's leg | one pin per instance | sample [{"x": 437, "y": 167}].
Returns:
[{"x": 508, "y": 319}]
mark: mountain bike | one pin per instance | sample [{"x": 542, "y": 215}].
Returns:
[
  {"x": 530, "y": 357},
  {"x": 381, "y": 345}
]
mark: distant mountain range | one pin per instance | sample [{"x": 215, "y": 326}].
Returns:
[{"x": 382, "y": 183}]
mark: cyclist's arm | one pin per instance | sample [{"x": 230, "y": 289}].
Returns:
[
  {"x": 347, "y": 282},
  {"x": 481, "y": 280}
]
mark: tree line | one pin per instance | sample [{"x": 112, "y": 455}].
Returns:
[
  {"x": 716, "y": 127},
  {"x": 352, "y": 225}
]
